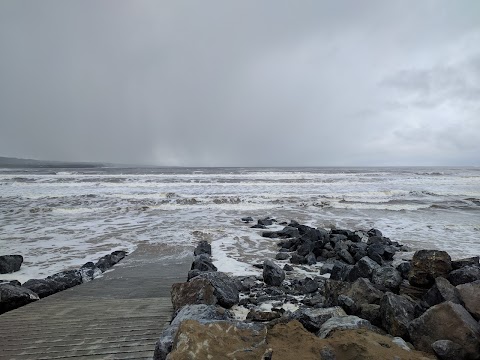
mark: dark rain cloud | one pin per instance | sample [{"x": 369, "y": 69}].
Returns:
[{"x": 241, "y": 83}]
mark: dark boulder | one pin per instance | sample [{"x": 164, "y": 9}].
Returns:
[
  {"x": 282, "y": 256},
  {"x": 404, "y": 269},
  {"x": 396, "y": 312},
  {"x": 464, "y": 275},
  {"x": 426, "y": 265},
  {"x": 442, "y": 291},
  {"x": 311, "y": 259},
  {"x": 345, "y": 256},
  {"x": 68, "y": 278},
  {"x": 305, "y": 247},
  {"x": 471, "y": 261},
  {"x": 10, "y": 263},
  {"x": 289, "y": 232},
  {"x": 12, "y": 297},
  {"x": 265, "y": 222},
  {"x": 313, "y": 319},
  {"x": 448, "y": 350},
  {"x": 203, "y": 247},
  {"x": 414, "y": 292},
  {"x": 470, "y": 295},
  {"x": 298, "y": 259},
  {"x": 117, "y": 256},
  {"x": 225, "y": 288},
  {"x": 270, "y": 234},
  {"x": 347, "y": 304},
  {"x": 272, "y": 274},
  {"x": 307, "y": 285},
  {"x": 370, "y": 312},
  {"x": 375, "y": 252},
  {"x": 247, "y": 219},
  {"x": 388, "y": 277},
  {"x": 287, "y": 267},
  {"x": 446, "y": 321},
  {"x": 374, "y": 232},
  {"x": 258, "y": 226},
  {"x": 44, "y": 287},
  {"x": 363, "y": 269},
  {"x": 363, "y": 292},
  {"x": 89, "y": 271},
  {"x": 203, "y": 262},
  {"x": 340, "y": 271}
]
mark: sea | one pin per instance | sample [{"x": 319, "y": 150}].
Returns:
[{"x": 58, "y": 219}]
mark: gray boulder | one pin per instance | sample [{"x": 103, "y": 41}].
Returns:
[
  {"x": 363, "y": 292},
  {"x": 470, "y": 295},
  {"x": 448, "y": 350},
  {"x": 344, "y": 323},
  {"x": 44, "y": 287},
  {"x": 396, "y": 312},
  {"x": 442, "y": 291},
  {"x": 12, "y": 297},
  {"x": 203, "y": 247},
  {"x": 340, "y": 271},
  {"x": 471, "y": 261},
  {"x": 272, "y": 273},
  {"x": 345, "y": 256},
  {"x": 363, "y": 269},
  {"x": 10, "y": 263},
  {"x": 464, "y": 275},
  {"x": 313, "y": 319},
  {"x": 446, "y": 321},
  {"x": 388, "y": 277},
  {"x": 203, "y": 262},
  {"x": 89, "y": 271},
  {"x": 282, "y": 256},
  {"x": 68, "y": 278}
]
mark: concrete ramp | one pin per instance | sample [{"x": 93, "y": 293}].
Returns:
[{"x": 117, "y": 316}]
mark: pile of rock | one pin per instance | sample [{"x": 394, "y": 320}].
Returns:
[
  {"x": 13, "y": 294},
  {"x": 367, "y": 308}
]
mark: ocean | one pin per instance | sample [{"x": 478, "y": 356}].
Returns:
[{"x": 61, "y": 218}]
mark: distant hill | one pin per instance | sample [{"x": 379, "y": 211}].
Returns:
[{"x": 9, "y": 162}]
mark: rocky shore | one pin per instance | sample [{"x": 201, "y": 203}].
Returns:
[
  {"x": 13, "y": 294},
  {"x": 365, "y": 301}
]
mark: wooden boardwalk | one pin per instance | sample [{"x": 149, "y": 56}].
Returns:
[{"x": 117, "y": 316}]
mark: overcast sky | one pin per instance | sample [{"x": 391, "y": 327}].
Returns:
[{"x": 241, "y": 83}]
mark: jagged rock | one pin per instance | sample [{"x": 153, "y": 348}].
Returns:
[
  {"x": 282, "y": 256},
  {"x": 203, "y": 263},
  {"x": 404, "y": 269},
  {"x": 265, "y": 222},
  {"x": 287, "y": 267},
  {"x": 193, "y": 273},
  {"x": 349, "y": 322},
  {"x": 107, "y": 261},
  {"x": 446, "y": 321},
  {"x": 387, "y": 276},
  {"x": 270, "y": 234},
  {"x": 363, "y": 292},
  {"x": 448, "y": 350},
  {"x": 12, "y": 297},
  {"x": 44, "y": 287},
  {"x": 196, "y": 291},
  {"x": 311, "y": 259},
  {"x": 289, "y": 232},
  {"x": 202, "y": 313},
  {"x": 305, "y": 248},
  {"x": 374, "y": 232},
  {"x": 307, "y": 285},
  {"x": 372, "y": 240},
  {"x": 297, "y": 259},
  {"x": 272, "y": 273},
  {"x": 326, "y": 268},
  {"x": 340, "y": 271},
  {"x": 470, "y": 295},
  {"x": 225, "y": 288},
  {"x": 464, "y": 275},
  {"x": 375, "y": 252},
  {"x": 370, "y": 312},
  {"x": 203, "y": 247},
  {"x": 262, "y": 316},
  {"x": 314, "y": 300},
  {"x": 313, "y": 319},
  {"x": 89, "y": 271},
  {"x": 471, "y": 261},
  {"x": 334, "y": 288},
  {"x": 362, "y": 269},
  {"x": 68, "y": 278},
  {"x": 247, "y": 219},
  {"x": 345, "y": 256},
  {"x": 414, "y": 292},
  {"x": 347, "y": 304},
  {"x": 426, "y": 265},
  {"x": 441, "y": 291},
  {"x": 258, "y": 226},
  {"x": 397, "y": 312},
  {"x": 10, "y": 263}
]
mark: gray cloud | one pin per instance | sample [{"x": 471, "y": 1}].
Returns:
[{"x": 241, "y": 83}]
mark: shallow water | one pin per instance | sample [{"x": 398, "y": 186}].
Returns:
[{"x": 59, "y": 219}]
